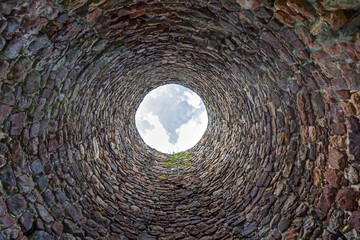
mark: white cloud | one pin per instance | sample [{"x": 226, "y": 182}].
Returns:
[{"x": 171, "y": 118}]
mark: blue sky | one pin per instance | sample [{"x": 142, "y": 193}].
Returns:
[{"x": 171, "y": 118}]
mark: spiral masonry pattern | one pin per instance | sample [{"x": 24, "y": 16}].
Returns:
[{"x": 280, "y": 80}]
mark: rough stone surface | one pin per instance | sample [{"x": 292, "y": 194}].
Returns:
[
  {"x": 346, "y": 199},
  {"x": 16, "y": 204},
  {"x": 280, "y": 81}
]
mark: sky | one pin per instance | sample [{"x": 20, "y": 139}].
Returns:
[{"x": 171, "y": 118}]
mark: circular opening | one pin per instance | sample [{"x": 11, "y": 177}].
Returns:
[{"x": 171, "y": 118}]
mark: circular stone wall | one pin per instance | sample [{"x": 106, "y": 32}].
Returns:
[{"x": 280, "y": 81}]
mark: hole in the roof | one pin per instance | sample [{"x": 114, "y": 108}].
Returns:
[{"x": 171, "y": 118}]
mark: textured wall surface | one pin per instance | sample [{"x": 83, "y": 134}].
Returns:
[{"x": 279, "y": 160}]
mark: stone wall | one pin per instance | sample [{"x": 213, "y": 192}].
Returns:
[{"x": 280, "y": 80}]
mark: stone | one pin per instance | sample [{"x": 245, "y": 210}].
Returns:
[
  {"x": 334, "y": 177},
  {"x": 338, "y": 141},
  {"x": 339, "y": 4},
  {"x": 336, "y": 19},
  {"x": 354, "y": 145},
  {"x": 57, "y": 228},
  {"x": 49, "y": 197},
  {"x": 75, "y": 212},
  {"x": 303, "y": 7},
  {"x": 355, "y": 220},
  {"x": 351, "y": 174},
  {"x": 16, "y": 204},
  {"x": 346, "y": 199},
  {"x": 326, "y": 199},
  {"x": 17, "y": 122},
  {"x": 284, "y": 225},
  {"x": 353, "y": 124},
  {"x": 2, "y": 207},
  {"x": 355, "y": 99},
  {"x": 337, "y": 159},
  {"x": 36, "y": 167},
  {"x": 4, "y": 112},
  {"x": 26, "y": 221},
  {"x": 32, "y": 82},
  {"x": 338, "y": 129},
  {"x": 34, "y": 129},
  {"x": 348, "y": 108},
  {"x": 8, "y": 177},
  {"x": 289, "y": 235},
  {"x": 248, "y": 4},
  {"x": 13, "y": 48},
  {"x": 41, "y": 235},
  {"x": 6, "y": 221},
  {"x": 318, "y": 104},
  {"x": 42, "y": 182},
  {"x": 44, "y": 213}
]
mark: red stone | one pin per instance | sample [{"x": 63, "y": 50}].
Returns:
[
  {"x": 303, "y": 7},
  {"x": 337, "y": 159},
  {"x": 334, "y": 177},
  {"x": 57, "y": 228},
  {"x": 346, "y": 199},
  {"x": 301, "y": 108},
  {"x": 343, "y": 94},
  {"x": 350, "y": 51},
  {"x": 289, "y": 235},
  {"x": 326, "y": 199},
  {"x": 284, "y": 18},
  {"x": 91, "y": 17}
]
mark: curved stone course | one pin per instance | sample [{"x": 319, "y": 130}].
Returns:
[{"x": 281, "y": 84}]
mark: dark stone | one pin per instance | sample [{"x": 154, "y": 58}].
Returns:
[
  {"x": 4, "y": 112},
  {"x": 75, "y": 212},
  {"x": 355, "y": 220},
  {"x": 32, "y": 82},
  {"x": 6, "y": 221},
  {"x": 353, "y": 124},
  {"x": 36, "y": 167},
  {"x": 49, "y": 197},
  {"x": 318, "y": 104},
  {"x": 26, "y": 221},
  {"x": 8, "y": 177},
  {"x": 44, "y": 213},
  {"x": 249, "y": 229},
  {"x": 26, "y": 183},
  {"x": 354, "y": 145},
  {"x": 42, "y": 182},
  {"x": 284, "y": 225},
  {"x": 41, "y": 235},
  {"x": 326, "y": 199},
  {"x": 16, "y": 204},
  {"x": 13, "y": 48},
  {"x": 271, "y": 39},
  {"x": 17, "y": 122}
]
